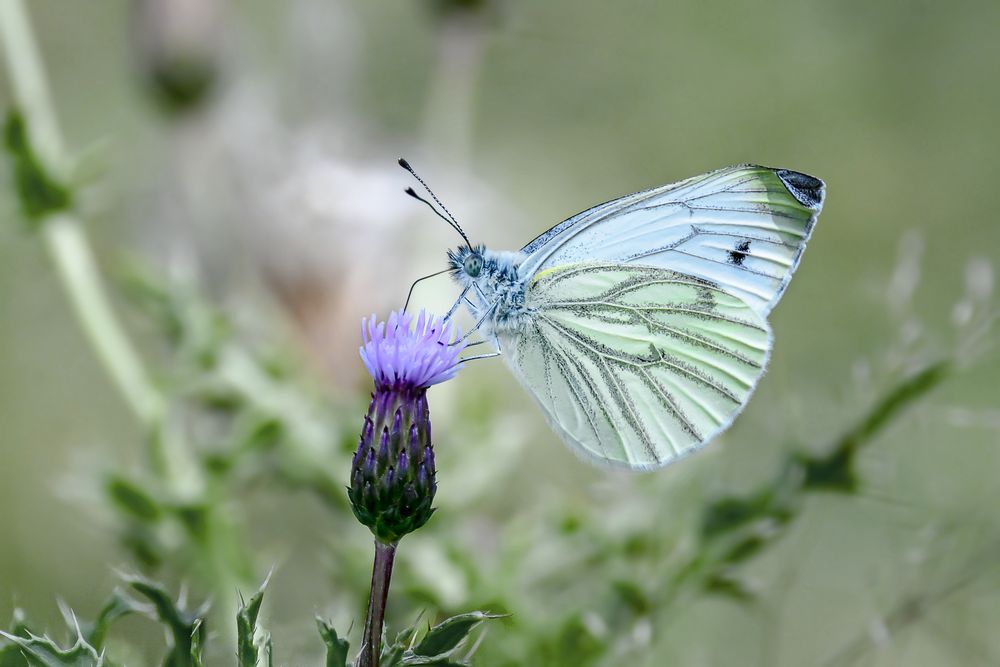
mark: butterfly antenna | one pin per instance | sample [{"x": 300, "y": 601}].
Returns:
[
  {"x": 412, "y": 193},
  {"x": 450, "y": 219}
]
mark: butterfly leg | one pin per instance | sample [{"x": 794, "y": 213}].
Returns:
[
  {"x": 458, "y": 302},
  {"x": 488, "y": 355},
  {"x": 488, "y": 313}
]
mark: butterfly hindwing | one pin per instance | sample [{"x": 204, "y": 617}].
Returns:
[
  {"x": 743, "y": 228},
  {"x": 636, "y": 365}
]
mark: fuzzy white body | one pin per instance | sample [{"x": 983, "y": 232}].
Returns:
[{"x": 499, "y": 290}]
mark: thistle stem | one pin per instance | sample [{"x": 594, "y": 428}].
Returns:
[
  {"x": 63, "y": 234},
  {"x": 70, "y": 251},
  {"x": 371, "y": 645}
]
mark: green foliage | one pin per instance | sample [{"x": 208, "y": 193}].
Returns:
[
  {"x": 133, "y": 500},
  {"x": 187, "y": 629},
  {"x": 117, "y": 607},
  {"x": 10, "y": 654},
  {"x": 336, "y": 647},
  {"x": 443, "y": 645},
  {"x": 38, "y": 192},
  {"x": 445, "y": 638},
  {"x": 43, "y": 652},
  {"x": 88, "y": 647},
  {"x": 187, "y": 637},
  {"x": 834, "y": 471},
  {"x": 735, "y": 529},
  {"x": 247, "y": 648}
]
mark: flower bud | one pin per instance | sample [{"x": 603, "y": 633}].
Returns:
[{"x": 392, "y": 472}]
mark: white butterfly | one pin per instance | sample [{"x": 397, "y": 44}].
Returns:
[{"x": 640, "y": 324}]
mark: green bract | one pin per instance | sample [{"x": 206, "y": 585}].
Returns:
[{"x": 392, "y": 476}]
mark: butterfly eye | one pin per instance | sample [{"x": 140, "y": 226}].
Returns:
[{"x": 473, "y": 265}]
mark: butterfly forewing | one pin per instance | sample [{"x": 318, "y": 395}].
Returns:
[
  {"x": 743, "y": 228},
  {"x": 636, "y": 365}
]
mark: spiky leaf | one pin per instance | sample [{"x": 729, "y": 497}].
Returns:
[
  {"x": 246, "y": 628},
  {"x": 446, "y": 636},
  {"x": 392, "y": 654},
  {"x": 43, "y": 652},
  {"x": 197, "y": 641},
  {"x": 116, "y": 607},
  {"x": 336, "y": 648},
  {"x": 187, "y": 629}
]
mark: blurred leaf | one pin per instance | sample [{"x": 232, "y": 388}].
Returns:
[
  {"x": 118, "y": 606},
  {"x": 197, "y": 640},
  {"x": 196, "y": 518},
  {"x": 143, "y": 544},
  {"x": 269, "y": 649},
  {"x": 187, "y": 630},
  {"x": 728, "y": 585},
  {"x": 246, "y": 628},
  {"x": 43, "y": 652},
  {"x": 263, "y": 434},
  {"x": 833, "y": 472},
  {"x": 906, "y": 392},
  {"x": 728, "y": 514},
  {"x": 744, "y": 549},
  {"x": 446, "y": 636},
  {"x": 574, "y": 643},
  {"x": 130, "y": 498},
  {"x": 11, "y": 656},
  {"x": 632, "y": 595},
  {"x": 38, "y": 193},
  {"x": 336, "y": 648}
]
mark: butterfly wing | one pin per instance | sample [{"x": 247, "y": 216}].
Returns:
[
  {"x": 636, "y": 365},
  {"x": 743, "y": 228}
]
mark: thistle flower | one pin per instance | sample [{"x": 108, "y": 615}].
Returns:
[{"x": 393, "y": 475}]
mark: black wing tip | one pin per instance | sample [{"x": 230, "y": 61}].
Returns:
[{"x": 807, "y": 190}]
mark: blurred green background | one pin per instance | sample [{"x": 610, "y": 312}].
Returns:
[{"x": 244, "y": 154}]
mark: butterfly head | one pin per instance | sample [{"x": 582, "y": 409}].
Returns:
[{"x": 467, "y": 261}]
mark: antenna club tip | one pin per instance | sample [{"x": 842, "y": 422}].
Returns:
[{"x": 403, "y": 163}]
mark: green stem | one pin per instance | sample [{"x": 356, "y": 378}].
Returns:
[
  {"x": 74, "y": 262},
  {"x": 70, "y": 252},
  {"x": 63, "y": 234},
  {"x": 371, "y": 645}
]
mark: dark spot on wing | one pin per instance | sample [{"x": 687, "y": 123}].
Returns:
[
  {"x": 808, "y": 190},
  {"x": 705, "y": 300},
  {"x": 739, "y": 253}
]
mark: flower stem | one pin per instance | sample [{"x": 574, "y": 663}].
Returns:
[{"x": 371, "y": 645}]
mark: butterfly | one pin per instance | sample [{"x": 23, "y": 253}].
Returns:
[{"x": 640, "y": 325}]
